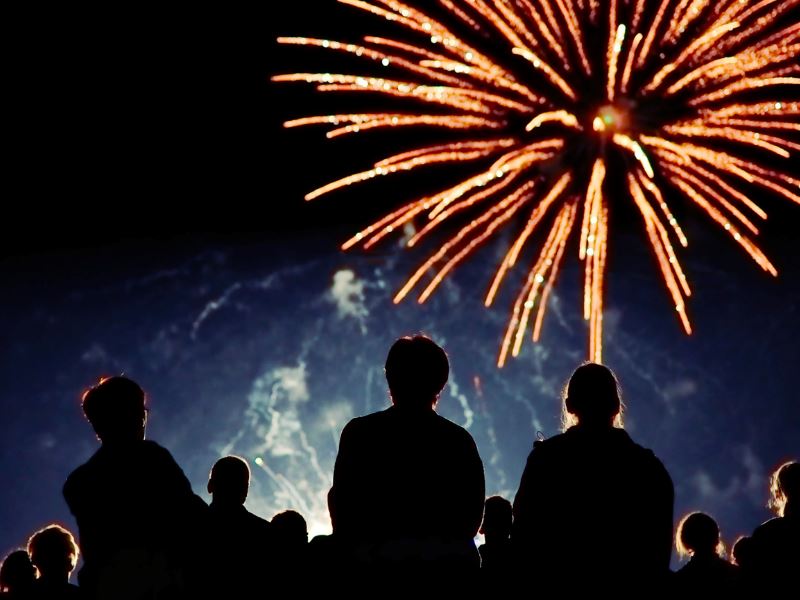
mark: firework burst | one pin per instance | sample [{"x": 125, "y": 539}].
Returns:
[{"x": 679, "y": 94}]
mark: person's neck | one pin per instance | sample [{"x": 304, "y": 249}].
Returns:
[
  {"x": 594, "y": 427},
  {"x": 117, "y": 443},
  {"x": 227, "y": 505},
  {"x": 705, "y": 555},
  {"x": 414, "y": 408},
  {"x": 54, "y": 580}
]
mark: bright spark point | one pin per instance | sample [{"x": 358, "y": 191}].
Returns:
[
  {"x": 610, "y": 119},
  {"x": 673, "y": 80}
]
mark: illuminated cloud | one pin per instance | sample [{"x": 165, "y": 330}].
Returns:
[{"x": 347, "y": 293}]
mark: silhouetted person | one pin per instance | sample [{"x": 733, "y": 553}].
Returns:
[
  {"x": 742, "y": 557},
  {"x": 496, "y": 529},
  {"x": 593, "y": 509},
  {"x": 138, "y": 520},
  {"x": 776, "y": 543},
  {"x": 706, "y": 573},
  {"x": 54, "y": 553},
  {"x": 291, "y": 540},
  {"x": 497, "y": 559},
  {"x": 17, "y": 575},
  {"x": 241, "y": 542},
  {"x": 328, "y": 560},
  {"x": 742, "y": 552},
  {"x": 408, "y": 485}
]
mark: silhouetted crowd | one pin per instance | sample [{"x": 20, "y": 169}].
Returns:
[{"x": 593, "y": 513}]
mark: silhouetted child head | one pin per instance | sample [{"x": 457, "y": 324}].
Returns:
[
  {"x": 416, "y": 371},
  {"x": 17, "y": 573},
  {"x": 290, "y": 530},
  {"x": 116, "y": 409},
  {"x": 497, "y": 519},
  {"x": 742, "y": 551},
  {"x": 698, "y": 535},
  {"x": 229, "y": 480},
  {"x": 592, "y": 397},
  {"x": 785, "y": 487},
  {"x": 54, "y": 552}
]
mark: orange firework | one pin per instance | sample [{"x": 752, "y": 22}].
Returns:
[{"x": 686, "y": 93}]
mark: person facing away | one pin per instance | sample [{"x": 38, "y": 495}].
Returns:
[
  {"x": 593, "y": 508},
  {"x": 496, "y": 529},
  {"x": 742, "y": 552},
  {"x": 408, "y": 484},
  {"x": 497, "y": 560},
  {"x": 706, "y": 573},
  {"x": 242, "y": 542},
  {"x": 291, "y": 542},
  {"x": 17, "y": 575},
  {"x": 54, "y": 553},
  {"x": 742, "y": 557},
  {"x": 775, "y": 545},
  {"x": 137, "y": 515}
]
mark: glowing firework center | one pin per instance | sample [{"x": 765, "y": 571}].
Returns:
[{"x": 610, "y": 119}]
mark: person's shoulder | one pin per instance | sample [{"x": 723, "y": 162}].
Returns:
[
  {"x": 153, "y": 452},
  {"x": 552, "y": 444},
  {"x": 371, "y": 421},
  {"x": 257, "y": 523},
  {"x": 154, "y": 448},
  {"x": 359, "y": 423},
  {"x": 80, "y": 476},
  {"x": 768, "y": 528},
  {"x": 642, "y": 453},
  {"x": 646, "y": 454},
  {"x": 452, "y": 428},
  {"x": 728, "y": 568},
  {"x": 686, "y": 570},
  {"x": 645, "y": 461}
]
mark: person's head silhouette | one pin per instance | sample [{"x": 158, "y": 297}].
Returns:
[
  {"x": 592, "y": 398},
  {"x": 785, "y": 488},
  {"x": 416, "y": 371},
  {"x": 17, "y": 573},
  {"x": 229, "y": 481},
  {"x": 497, "y": 519},
  {"x": 742, "y": 551},
  {"x": 116, "y": 409},
  {"x": 698, "y": 535},
  {"x": 290, "y": 530},
  {"x": 54, "y": 553}
]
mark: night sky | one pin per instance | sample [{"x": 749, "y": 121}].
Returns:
[{"x": 155, "y": 226}]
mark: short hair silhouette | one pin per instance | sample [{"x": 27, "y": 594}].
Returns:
[
  {"x": 497, "y": 517},
  {"x": 17, "y": 573},
  {"x": 290, "y": 528},
  {"x": 785, "y": 486},
  {"x": 136, "y": 484},
  {"x": 742, "y": 551},
  {"x": 229, "y": 480},
  {"x": 592, "y": 397},
  {"x": 53, "y": 551},
  {"x": 116, "y": 409},
  {"x": 775, "y": 547},
  {"x": 698, "y": 534},
  {"x": 416, "y": 371}
]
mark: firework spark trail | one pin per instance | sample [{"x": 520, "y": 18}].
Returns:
[{"x": 568, "y": 78}]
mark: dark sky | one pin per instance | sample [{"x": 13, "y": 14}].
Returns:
[
  {"x": 154, "y": 122},
  {"x": 150, "y": 122}
]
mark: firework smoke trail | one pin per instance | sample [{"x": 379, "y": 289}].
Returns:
[{"x": 690, "y": 95}]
